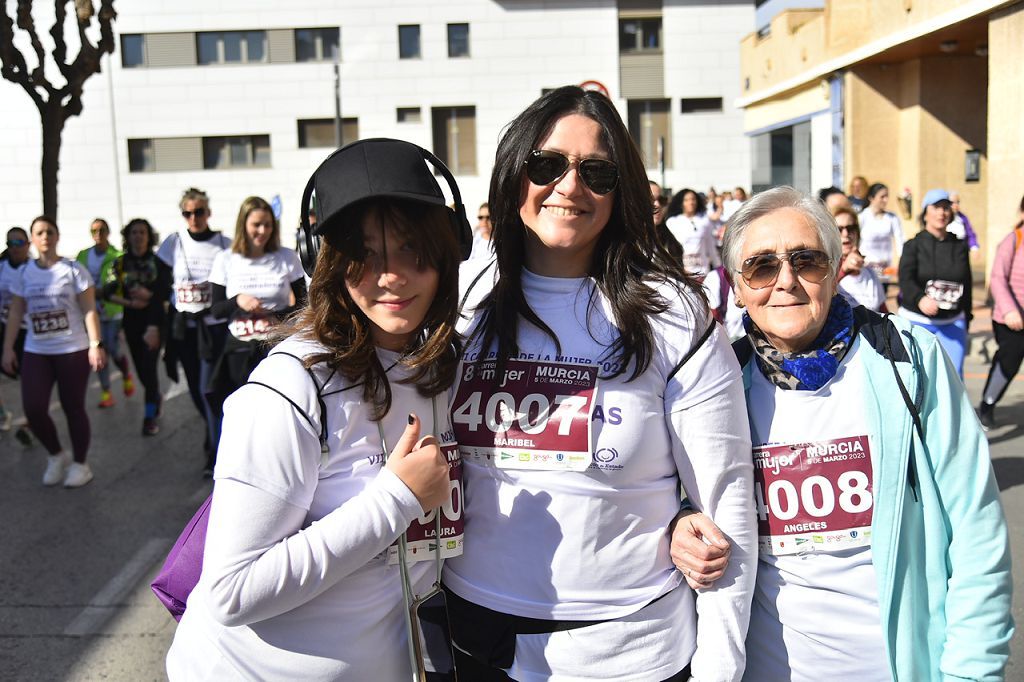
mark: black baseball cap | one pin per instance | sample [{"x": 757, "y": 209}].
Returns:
[{"x": 376, "y": 167}]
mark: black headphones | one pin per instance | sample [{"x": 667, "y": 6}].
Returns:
[{"x": 309, "y": 243}]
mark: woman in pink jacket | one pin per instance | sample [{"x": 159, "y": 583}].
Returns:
[{"x": 1008, "y": 291}]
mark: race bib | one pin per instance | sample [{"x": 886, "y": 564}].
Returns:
[
  {"x": 250, "y": 328},
  {"x": 193, "y": 297},
  {"x": 50, "y": 324},
  {"x": 420, "y": 539},
  {"x": 946, "y": 294},
  {"x": 537, "y": 416},
  {"x": 813, "y": 497}
]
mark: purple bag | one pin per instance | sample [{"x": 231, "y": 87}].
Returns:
[{"x": 184, "y": 564}]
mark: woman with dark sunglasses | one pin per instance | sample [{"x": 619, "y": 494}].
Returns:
[
  {"x": 594, "y": 383},
  {"x": 883, "y": 547},
  {"x": 858, "y": 283},
  {"x": 196, "y": 335}
]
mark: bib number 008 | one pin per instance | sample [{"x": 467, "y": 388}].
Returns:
[
  {"x": 501, "y": 412},
  {"x": 784, "y": 501}
]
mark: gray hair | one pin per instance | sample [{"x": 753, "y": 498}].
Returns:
[{"x": 770, "y": 201}]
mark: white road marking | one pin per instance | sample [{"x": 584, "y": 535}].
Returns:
[{"x": 103, "y": 605}]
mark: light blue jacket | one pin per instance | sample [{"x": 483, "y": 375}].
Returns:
[{"x": 940, "y": 545}]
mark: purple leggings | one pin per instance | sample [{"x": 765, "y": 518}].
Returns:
[{"x": 71, "y": 373}]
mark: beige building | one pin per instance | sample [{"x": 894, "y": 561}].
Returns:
[{"x": 913, "y": 93}]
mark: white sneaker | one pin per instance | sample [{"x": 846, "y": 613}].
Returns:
[
  {"x": 55, "y": 466},
  {"x": 78, "y": 475}
]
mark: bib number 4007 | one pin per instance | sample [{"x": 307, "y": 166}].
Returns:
[
  {"x": 816, "y": 497},
  {"x": 531, "y": 415}
]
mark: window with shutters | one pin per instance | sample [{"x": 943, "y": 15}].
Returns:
[
  {"x": 651, "y": 127},
  {"x": 317, "y": 44},
  {"x": 319, "y": 132},
  {"x": 236, "y": 151},
  {"x": 455, "y": 138},
  {"x": 231, "y": 47}
]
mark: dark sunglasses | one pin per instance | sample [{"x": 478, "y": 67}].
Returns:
[
  {"x": 16, "y": 242},
  {"x": 199, "y": 213},
  {"x": 762, "y": 270},
  {"x": 544, "y": 167},
  {"x": 483, "y": 217}
]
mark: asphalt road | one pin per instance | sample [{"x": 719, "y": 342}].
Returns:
[{"x": 75, "y": 565}]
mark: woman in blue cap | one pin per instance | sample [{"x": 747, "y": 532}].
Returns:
[
  {"x": 339, "y": 442},
  {"x": 935, "y": 278}
]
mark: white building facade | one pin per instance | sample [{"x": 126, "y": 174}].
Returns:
[{"x": 238, "y": 98}]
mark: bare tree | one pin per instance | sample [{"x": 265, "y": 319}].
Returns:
[{"x": 56, "y": 103}]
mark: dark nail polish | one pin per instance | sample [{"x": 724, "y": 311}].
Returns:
[{"x": 412, "y": 418}]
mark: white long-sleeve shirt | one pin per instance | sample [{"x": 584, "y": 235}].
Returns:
[
  {"x": 296, "y": 582},
  {"x": 594, "y": 544}
]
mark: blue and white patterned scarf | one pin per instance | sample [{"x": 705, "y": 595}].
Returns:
[{"x": 812, "y": 368}]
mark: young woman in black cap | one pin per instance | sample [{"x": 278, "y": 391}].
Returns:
[
  {"x": 339, "y": 443},
  {"x": 594, "y": 383}
]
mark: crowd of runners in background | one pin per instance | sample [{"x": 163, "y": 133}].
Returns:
[{"x": 204, "y": 300}]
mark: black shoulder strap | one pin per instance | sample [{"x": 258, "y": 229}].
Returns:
[
  {"x": 743, "y": 350},
  {"x": 888, "y": 333},
  {"x": 322, "y": 429},
  {"x": 700, "y": 342}
]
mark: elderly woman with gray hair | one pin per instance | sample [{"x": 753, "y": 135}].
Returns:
[{"x": 883, "y": 546}]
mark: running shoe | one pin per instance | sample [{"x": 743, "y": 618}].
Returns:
[
  {"x": 55, "y": 466},
  {"x": 78, "y": 475},
  {"x": 129, "y": 385},
  {"x": 106, "y": 399},
  {"x": 150, "y": 426},
  {"x": 23, "y": 436},
  {"x": 5, "y": 419}
]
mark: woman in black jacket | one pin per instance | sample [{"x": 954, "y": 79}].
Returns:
[
  {"x": 935, "y": 278},
  {"x": 141, "y": 283}
]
